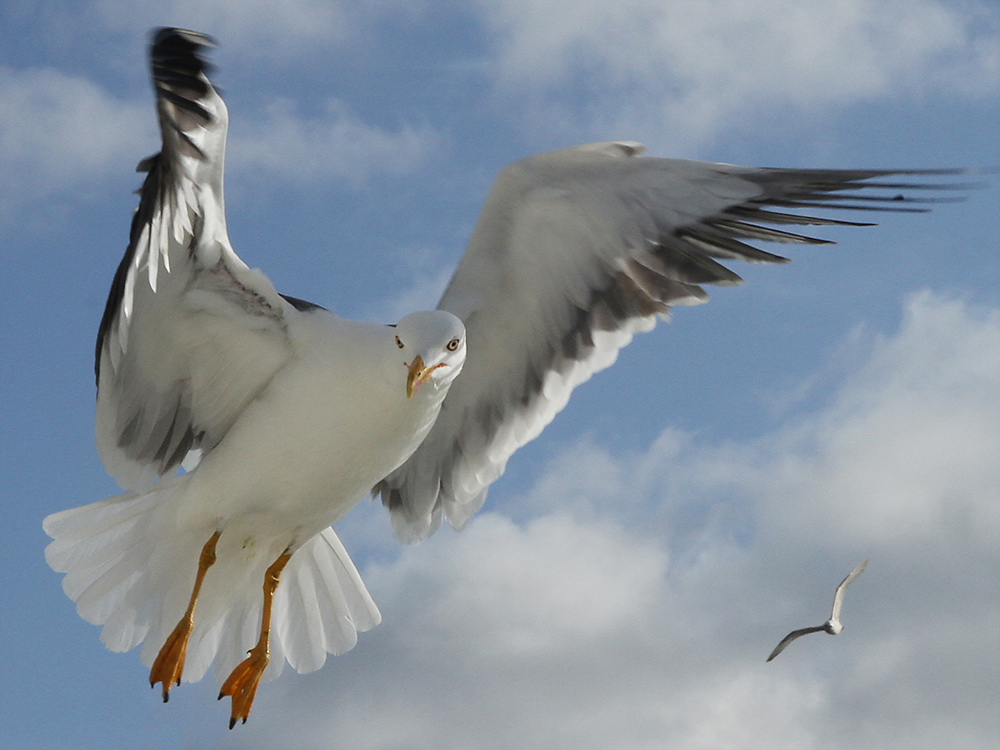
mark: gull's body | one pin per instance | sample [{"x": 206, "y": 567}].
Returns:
[
  {"x": 284, "y": 415},
  {"x": 832, "y": 626},
  {"x": 301, "y": 460},
  {"x": 279, "y": 479}
]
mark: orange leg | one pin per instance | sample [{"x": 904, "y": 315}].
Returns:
[
  {"x": 169, "y": 662},
  {"x": 242, "y": 683}
]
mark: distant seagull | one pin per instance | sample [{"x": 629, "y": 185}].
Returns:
[{"x": 831, "y": 626}]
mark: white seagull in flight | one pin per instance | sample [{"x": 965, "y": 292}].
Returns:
[
  {"x": 831, "y": 626},
  {"x": 283, "y": 414}
]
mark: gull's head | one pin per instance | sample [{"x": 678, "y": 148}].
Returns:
[{"x": 431, "y": 349}]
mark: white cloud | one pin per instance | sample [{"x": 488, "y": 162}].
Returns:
[
  {"x": 60, "y": 131},
  {"x": 316, "y": 150},
  {"x": 689, "y": 67},
  {"x": 258, "y": 29},
  {"x": 267, "y": 26},
  {"x": 422, "y": 275},
  {"x": 635, "y": 606},
  {"x": 921, "y": 413}
]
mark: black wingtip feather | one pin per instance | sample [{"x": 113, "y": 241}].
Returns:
[
  {"x": 167, "y": 39},
  {"x": 301, "y": 305},
  {"x": 178, "y": 63},
  {"x": 178, "y": 60}
]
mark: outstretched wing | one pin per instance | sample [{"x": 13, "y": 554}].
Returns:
[
  {"x": 838, "y": 596},
  {"x": 575, "y": 251},
  {"x": 190, "y": 333},
  {"x": 791, "y": 637}
]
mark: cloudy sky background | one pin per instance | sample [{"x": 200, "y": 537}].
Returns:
[{"x": 638, "y": 562}]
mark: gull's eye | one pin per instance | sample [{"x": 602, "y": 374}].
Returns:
[
  {"x": 399, "y": 343},
  {"x": 453, "y": 345}
]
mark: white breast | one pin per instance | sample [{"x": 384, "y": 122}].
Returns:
[{"x": 331, "y": 424}]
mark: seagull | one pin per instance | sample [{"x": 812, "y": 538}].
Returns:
[
  {"x": 831, "y": 626},
  {"x": 242, "y": 423}
]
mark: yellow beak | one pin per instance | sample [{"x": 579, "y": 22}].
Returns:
[{"x": 418, "y": 375}]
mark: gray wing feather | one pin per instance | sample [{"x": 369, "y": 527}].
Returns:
[
  {"x": 791, "y": 637},
  {"x": 190, "y": 334},
  {"x": 576, "y": 251},
  {"x": 838, "y": 596}
]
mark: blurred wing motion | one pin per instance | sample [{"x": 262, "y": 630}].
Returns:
[
  {"x": 190, "y": 334},
  {"x": 576, "y": 251}
]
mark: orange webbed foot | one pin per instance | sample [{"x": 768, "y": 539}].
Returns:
[
  {"x": 242, "y": 684},
  {"x": 169, "y": 662}
]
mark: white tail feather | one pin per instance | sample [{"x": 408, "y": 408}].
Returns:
[{"x": 130, "y": 567}]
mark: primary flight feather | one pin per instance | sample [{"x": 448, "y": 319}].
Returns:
[{"x": 283, "y": 414}]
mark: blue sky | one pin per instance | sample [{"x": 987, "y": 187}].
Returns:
[{"x": 638, "y": 562}]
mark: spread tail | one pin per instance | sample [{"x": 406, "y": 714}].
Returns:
[{"x": 130, "y": 566}]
